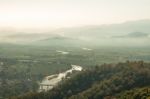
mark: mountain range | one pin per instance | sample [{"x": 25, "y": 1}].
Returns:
[{"x": 119, "y": 34}]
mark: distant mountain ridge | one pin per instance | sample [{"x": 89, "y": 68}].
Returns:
[
  {"x": 134, "y": 35},
  {"x": 138, "y": 34},
  {"x": 95, "y": 35}
]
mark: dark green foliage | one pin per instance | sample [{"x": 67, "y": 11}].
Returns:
[
  {"x": 101, "y": 82},
  {"x": 137, "y": 93},
  {"x": 14, "y": 82},
  {"x": 24, "y": 65}
]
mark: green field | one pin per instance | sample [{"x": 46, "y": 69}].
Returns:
[{"x": 46, "y": 59}]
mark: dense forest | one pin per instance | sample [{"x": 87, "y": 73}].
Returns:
[
  {"x": 128, "y": 80},
  {"x": 14, "y": 81},
  {"x": 23, "y": 67}
]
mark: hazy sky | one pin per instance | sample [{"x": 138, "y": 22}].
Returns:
[{"x": 64, "y": 13}]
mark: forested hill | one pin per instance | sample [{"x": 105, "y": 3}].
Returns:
[{"x": 109, "y": 81}]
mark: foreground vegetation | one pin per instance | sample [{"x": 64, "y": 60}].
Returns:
[
  {"x": 109, "y": 81},
  {"x": 23, "y": 66},
  {"x": 137, "y": 93}
]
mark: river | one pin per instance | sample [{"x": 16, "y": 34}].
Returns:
[{"x": 50, "y": 81}]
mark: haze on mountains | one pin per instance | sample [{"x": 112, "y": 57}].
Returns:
[
  {"x": 74, "y": 49},
  {"x": 104, "y": 35}
]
